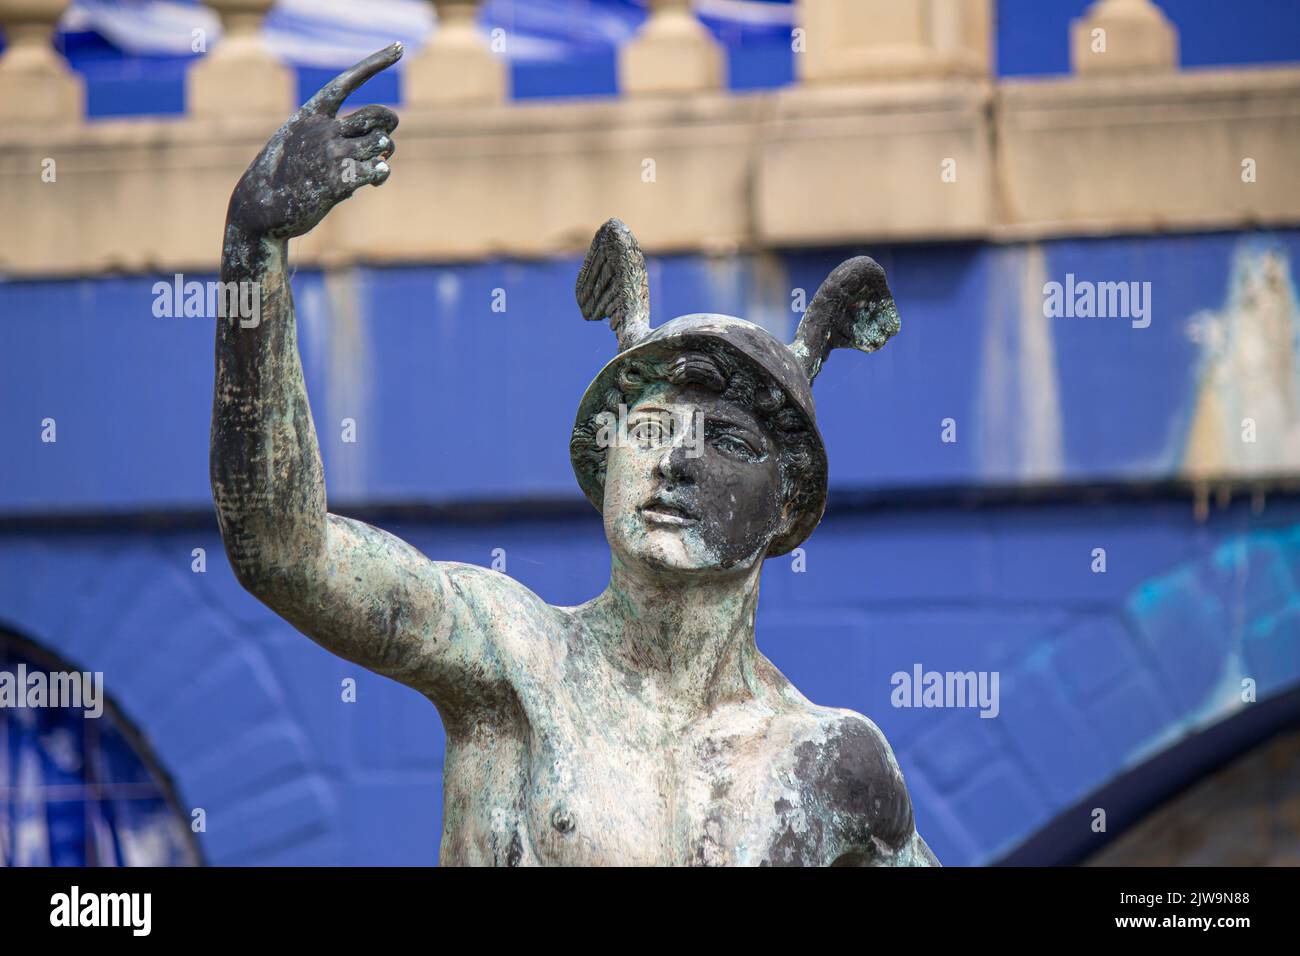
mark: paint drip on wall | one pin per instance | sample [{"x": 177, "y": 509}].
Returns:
[
  {"x": 1246, "y": 416},
  {"x": 1020, "y": 424}
]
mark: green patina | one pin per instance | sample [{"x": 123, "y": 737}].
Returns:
[{"x": 644, "y": 726}]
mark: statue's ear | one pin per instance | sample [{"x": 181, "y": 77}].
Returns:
[
  {"x": 853, "y": 308},
  {"x": 613, "y": 284},
  {"x": 789, "y": 514}
]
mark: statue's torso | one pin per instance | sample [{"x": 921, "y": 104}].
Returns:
[{"x": 587, "y": 762}]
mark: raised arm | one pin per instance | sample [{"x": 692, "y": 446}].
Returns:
[{"x": 359, "y": 592}]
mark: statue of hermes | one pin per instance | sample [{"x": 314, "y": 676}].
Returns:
[{"x": 643, "y": 727}]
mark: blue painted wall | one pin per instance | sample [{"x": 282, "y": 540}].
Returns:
[
  {"x": 1098, "y": 671},
  {"x": 1033, "y": 35},
  {"x": 456, "y": 403}
]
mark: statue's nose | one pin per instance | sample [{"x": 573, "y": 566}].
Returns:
[{"x": 675, "y": 464}]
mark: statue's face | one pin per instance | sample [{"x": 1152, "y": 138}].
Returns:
[{"x": 694, "y": 485}]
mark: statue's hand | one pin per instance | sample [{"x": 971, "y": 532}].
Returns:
[{"x": 315, "y": 160}]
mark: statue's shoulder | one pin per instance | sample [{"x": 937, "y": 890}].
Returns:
[
  {"x": 847, "y": 762},
  {"x": 497, "y": 602}
]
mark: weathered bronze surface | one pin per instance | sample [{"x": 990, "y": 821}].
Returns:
[{"x": 643, "y": 727}]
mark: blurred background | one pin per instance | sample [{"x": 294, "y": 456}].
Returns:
[{"x": 1103, "y": 510}]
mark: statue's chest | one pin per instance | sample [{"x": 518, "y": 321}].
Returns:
[
  {"x": 631, "y": 793},
  {"x": 597, "y": 800},
  {"x": 599, "y": 766}
]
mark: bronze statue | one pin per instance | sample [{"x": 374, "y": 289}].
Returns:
[{"x": 643, "y": 727}]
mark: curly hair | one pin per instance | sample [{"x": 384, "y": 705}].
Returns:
[{"x": 713, "y": 367}]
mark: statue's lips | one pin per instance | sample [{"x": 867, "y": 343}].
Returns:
[{"x": 659, "y": 511}]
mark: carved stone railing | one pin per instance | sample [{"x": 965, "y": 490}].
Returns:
[
  {"x": 900, "y": 134},
  {"x": 36, "y": 86},
  {"x": 241, "y": 69}
]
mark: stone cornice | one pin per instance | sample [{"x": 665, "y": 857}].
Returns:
[{"x": 804, "y": 166}]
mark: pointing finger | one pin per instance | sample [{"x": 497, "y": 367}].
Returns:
[{"x": 332, "y": 95}]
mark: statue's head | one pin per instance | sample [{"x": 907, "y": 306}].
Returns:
[{"x": 698, "y": 442}]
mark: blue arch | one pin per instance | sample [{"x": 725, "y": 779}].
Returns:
[{"x": 79, "y": 786}]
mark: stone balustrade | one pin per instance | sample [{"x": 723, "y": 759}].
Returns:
[
  {"x": 36, "y": 86},
  {"x": 894, "y": 130},
  {"x": 241, "y": 69}
]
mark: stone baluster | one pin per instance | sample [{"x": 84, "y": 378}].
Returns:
[
  {"x": 1123, "y": 36},
  {"x": 240, "y": 76},
  {"x": 36, "y": 84},
  {"x": 673, "y": 53},
  {"x": 459, "y": 65},
  {"x": 853, "y": 41}
]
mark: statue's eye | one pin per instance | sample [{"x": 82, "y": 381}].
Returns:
[
  {"x": 736, "y": 445},
  {"x": 649, "y": 432}
]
